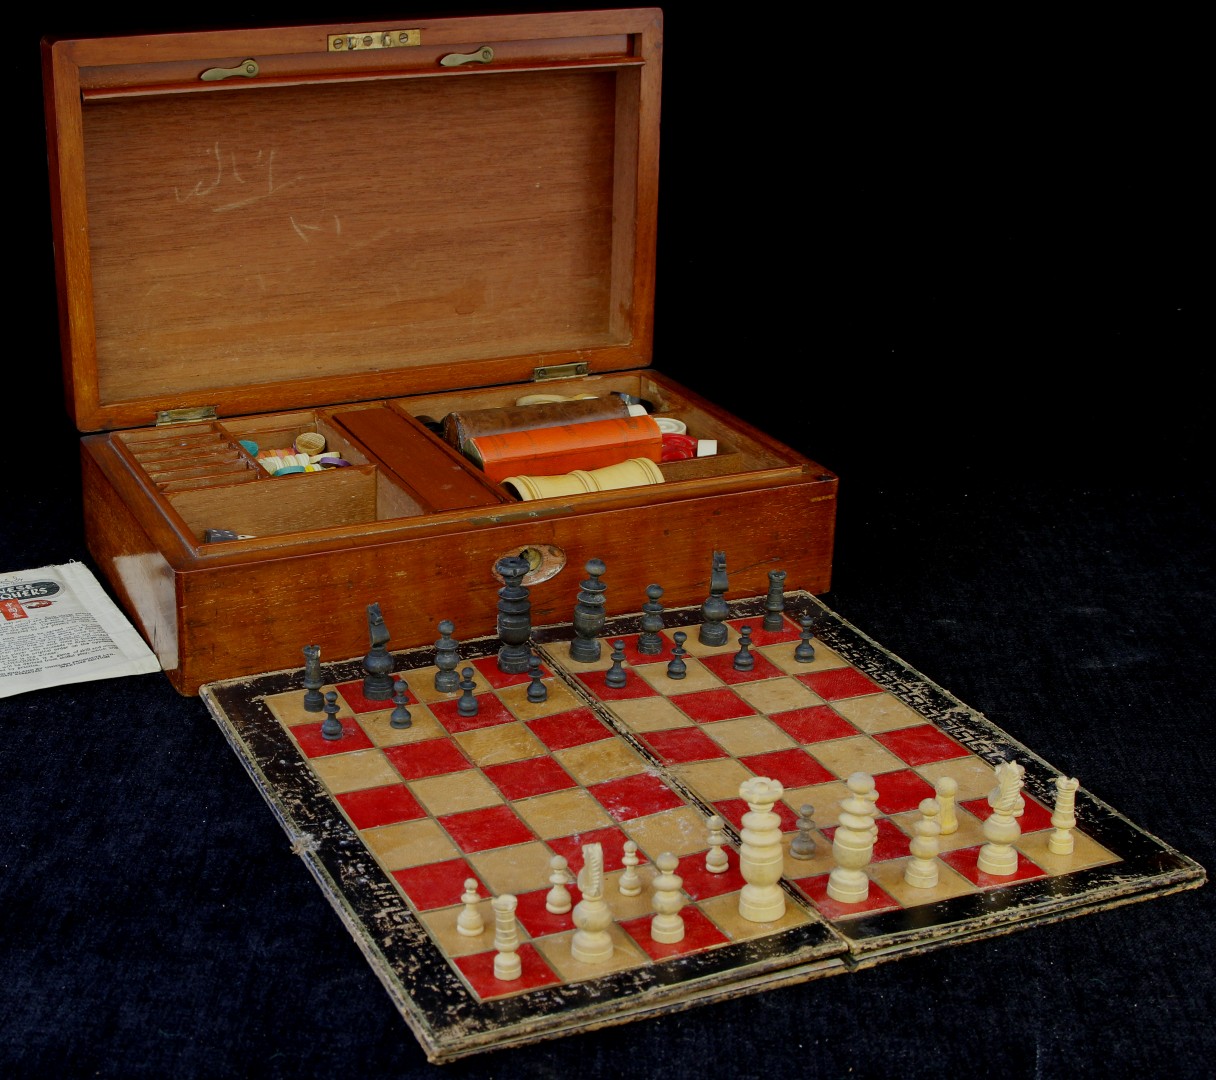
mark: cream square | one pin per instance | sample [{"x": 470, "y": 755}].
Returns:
[
  {"x": 355, "y": 771},
  {"x": 452, "y": 793},
  {"x": 409, "y": 843}
]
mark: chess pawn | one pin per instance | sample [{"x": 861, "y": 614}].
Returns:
[
  {"x": 400, "y": 716},
  {"x": 507, "y": 965},
  {"x": 716, "y": 859},
  {"x": 557, "y": 899},
  {"x": 615, "y": 676},
  {"x": 469, "y": 922},
  {"x": 853, "y": 843},
  {"x": 676, "y": 667},
  {"x": 999, "y": 857},
  {"x": 760, "y": 853},
  {"x": 591, "y": 943},
  {"x": 630, "y": 883},
  {"x": 804, "y": 651},
  {"x": 803, "y": 845},
  {"x": 1063, "y": 817},
  {"x": 921, "y": 871},
  {"x": 537, "y": 691},
  {"x": 946, "y": 793},
  {"x": 744, "y": 661},
  {"x": 667, "y": 926},
  {"x": 331, "y": 727}
]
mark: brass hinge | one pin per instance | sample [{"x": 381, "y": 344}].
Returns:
[
  {"x": 192, "y": 415},
  {"x": 559, "y": 371},
  {"x": 378, "y": 39}
]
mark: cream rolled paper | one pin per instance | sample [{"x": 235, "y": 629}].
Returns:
[{"x": 636, "y": 472}]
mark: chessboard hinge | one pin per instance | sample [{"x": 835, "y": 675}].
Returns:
[
  {"x": 192, "y": 415},
  {"x": 560, "y": 371}
]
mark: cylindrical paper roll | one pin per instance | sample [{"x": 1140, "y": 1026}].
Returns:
[
  {"x": 458, "y": 427},
  {"x": 633, "y": 473}
]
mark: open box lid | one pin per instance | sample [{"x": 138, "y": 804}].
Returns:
[{"x": 255, "y": 220}]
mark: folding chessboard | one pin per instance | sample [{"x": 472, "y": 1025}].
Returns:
[{"x": 394, "y": 821}]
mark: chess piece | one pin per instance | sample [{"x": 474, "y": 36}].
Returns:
[
  {"x": 631, "y": 881},
  {"x": 537, "y": 691},
  {"x": 331, "y": 727},
  {"x": 591, "y": 942},
  {"x": 921, "y": 871},
  {"x": 946, "y": 790},
  {"x": 804, "y": 651},
  {"x": 447, "y": 657},
  {"x": 803, "y": 845},
  {"x": 774, "y": 603},
  {"x": 1019, "y": 803},
  {"x": 853, "y": 843},
  {"x": 507, "y": 964},
  {"x": 467, "y": 705},
  {"x": 514, "y": 615},
  {"x": 715, "y": 610},
  {"x": 378, "y": 662},
  {"x": 667, "y": 926},
  {"x": 400, "y": 716},
  {"x": 557, "y": 899},
  {"x": 314, "y": 700},
  {"x": 469, "y": 922},
  {"x": 760, "y": 853},
  {"x": 650, "y": 641},
  {"x": 1063, "y": 816},
  {"x": 999, "y": 857},
  {"x": 744, "y": 661},
  {"x": 615, "y": 675},
  {"x": 589, "y": 615},
  {"x": 716, "y": 859},
  {"x": 676, "y": 667}
]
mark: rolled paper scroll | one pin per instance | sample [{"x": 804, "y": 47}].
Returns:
[
  {"x": 633, "y": 473},
  {"x": 461, "y": 426}
]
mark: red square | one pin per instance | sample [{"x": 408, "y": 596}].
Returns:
[
  {"x": 723, "y": 665},
  {"x": 636, "y": 796},
  {"x": 523, "y": 779},
  {"x": 490, "y": 712},
  {"x": 891, "y": 843},
  {"x": 489, "y": 670},
  {"x": 433, "y": 757},
  {"x": 790, "y": 631},
  {"x": 564, "y": 730},
  {"x": 816, "y": 888},
  {"x": 901, "y": 790},
  {"x": 635, "y": 686},
  {"x": 921, "y": 744},
  {"x": 352, "y": 694},
  {"x": 816, "y": 723},
  {"x": 1035, "y": 817},
  {"x": 537, "y": 919},
  {"x": 489, "y": 827},
  {"x": 683, "y": 744},
  {"x": 380, "y": 806},
  {"x": 313, "y": 744},
  {"x": 793, "y": 767},
  {"x": 734, "y": 809},
  {"x": 610, "y": 839},
  {"x": 701, "y": 884},
  {"x": 699, "y": 933},
  {"x": 966, "y": 862},
  {"x": 435, "y": 885},
  {"x": 706, "y": 706},
  {"x": 837, "y": 683},
  {"x": 478, "y": 969}
]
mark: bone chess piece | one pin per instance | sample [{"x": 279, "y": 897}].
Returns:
[
  {"x": 630, "y": 883},
  {"x": 469, "y": 922},
  {"x": 921, "y": 871},
  {"x": 1063, "y": 816},
  {"x": 667, "y": 926},
  {"x": 999, "y": 857},
  {"x": 557, "y": 899},
  {"x": 716, "y": 860},
  {"x": 760, "y": 854},
  {"x": 592, "y": 943},
  {"x": 853, "y": 843},
  {"x": 507, "y": 965},
  {"x": 803, "y": 845},
  {"x": 946, "y": 791}
]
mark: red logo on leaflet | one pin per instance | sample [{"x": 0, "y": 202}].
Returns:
[{"x": 12, "y": 609}]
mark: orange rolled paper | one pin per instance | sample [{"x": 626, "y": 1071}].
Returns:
[{"x": 562, "y": 449}]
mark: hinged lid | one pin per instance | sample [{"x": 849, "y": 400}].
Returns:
[{"x": 257, "y": 220}]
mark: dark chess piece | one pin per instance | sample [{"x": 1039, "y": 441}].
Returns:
[
  {"x": 447, "y": 657},
  {"x": 615, "y": 675},
  {"x": 378, "y": 663},
  {"x": 467, "y": 705},
  {"x": 774, "y": 605},
  {"x": 331, "y": 727},
  {"x": 514, "y": 615},
  {"x": 400, "y": 716},
  {"x": 804, "y": 651},
  {"x": 314, "y": 700},
  {"x": 676, "y": 668},
  {"x": 715, "y": 610},
  {"x": 650, "y": 641},
  {"x": 803, "y": 845},
  {"x": 537, "y": 690},
  {"x": 744, "y": 661},
  {"x": 589, "y": 615}
]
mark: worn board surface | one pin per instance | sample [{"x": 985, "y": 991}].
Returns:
[{"x": 393, "y": 821}]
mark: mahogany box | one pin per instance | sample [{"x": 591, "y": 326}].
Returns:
[{"x": 355, "y": 231}]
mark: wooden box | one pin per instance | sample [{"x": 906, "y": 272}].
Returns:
[{"x": 355, "y": 230}]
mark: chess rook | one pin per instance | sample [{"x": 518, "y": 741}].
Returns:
[
  {"x": 774, "y": 603},
  {"x": 507, "y": 965},
  {"x": 1063, "y": 816}
]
